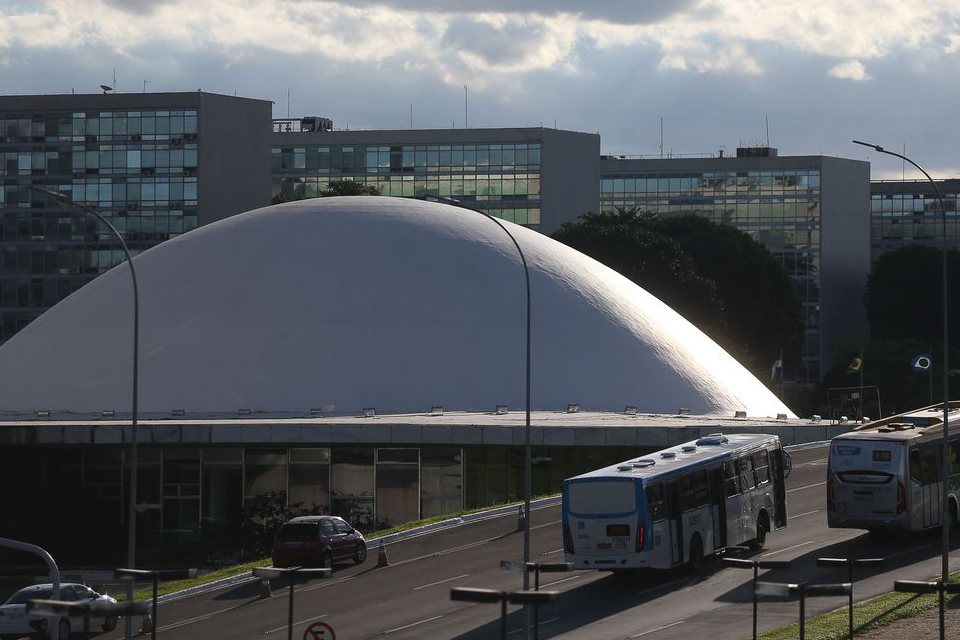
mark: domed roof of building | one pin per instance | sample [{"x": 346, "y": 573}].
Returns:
[{"x": 353, "y": 302}]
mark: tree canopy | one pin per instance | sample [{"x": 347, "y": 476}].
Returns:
[
  {"x": 904, "y": 295},
  {"x": 333, "y": 188},
  {"x": 717, "y": 277}
]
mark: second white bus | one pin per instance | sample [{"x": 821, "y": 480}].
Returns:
[{"x": 676, "y": 506}]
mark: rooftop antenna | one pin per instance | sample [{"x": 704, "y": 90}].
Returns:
[
  {"x": 466, "y": 122},
  {"x": 411, "y": 116},
  {"x": 145, "y": 83},
  {"x": 288, "y": 103},
  {"x": 661, "y": 136},
  {"x": 767, "y": 120},
  {"x": 114, "y": 77}
]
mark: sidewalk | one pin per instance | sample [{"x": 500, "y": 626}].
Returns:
[{"x": 926, "y": 625}]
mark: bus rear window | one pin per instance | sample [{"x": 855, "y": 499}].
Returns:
[{"x": 601, "y": 497}]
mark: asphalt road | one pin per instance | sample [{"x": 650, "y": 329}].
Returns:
[{"x": 410, "y": 598}]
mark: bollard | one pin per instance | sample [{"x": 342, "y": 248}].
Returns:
[
  {"x": 521, "y": 519},
  {"x": 265, "y": 588},
  {"x": 382, "y": 556},
  {"x": 146, "y": 624}
]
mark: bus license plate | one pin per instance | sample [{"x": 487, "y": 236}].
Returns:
[{"x": 618, "y": 530}]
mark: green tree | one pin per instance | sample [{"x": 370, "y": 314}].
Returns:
[
  {"x": 717, "y": 277},
  {"x": 333, "y": 188},
  {"x": 761, "y": 303},
  {"x": 904, "y": 295},
  {"x": 626, "y": 241}
]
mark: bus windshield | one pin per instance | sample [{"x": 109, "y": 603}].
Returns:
[{"x": 602, "y": 497}]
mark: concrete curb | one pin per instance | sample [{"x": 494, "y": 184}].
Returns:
[{"x": 372, "y": 543}]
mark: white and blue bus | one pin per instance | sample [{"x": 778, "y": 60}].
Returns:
[{"x": 677, "y": 505}]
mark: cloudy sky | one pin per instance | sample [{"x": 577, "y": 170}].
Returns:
[{"x": 809, "y": 75}]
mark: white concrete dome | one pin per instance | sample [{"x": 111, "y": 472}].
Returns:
[{"x": 346, "y": 303}]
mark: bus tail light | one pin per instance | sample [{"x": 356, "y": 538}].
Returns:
[
  {"x": 640, "y": 537},
  {"x": 567, "y": 539},
  {"x": 830, "y": 506},
  {"x": 901, "y": 498}
]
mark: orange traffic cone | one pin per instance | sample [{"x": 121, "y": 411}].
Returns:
[
  {"x": 265, "y": 588},
  {"x": 382, "y": 557}
]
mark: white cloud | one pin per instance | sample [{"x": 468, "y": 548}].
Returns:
[{"x": 850, "y": 70}]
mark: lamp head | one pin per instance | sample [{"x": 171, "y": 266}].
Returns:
[{"x": 875, "y": 147}]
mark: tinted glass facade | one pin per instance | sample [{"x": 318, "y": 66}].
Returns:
[
  {"x": 137, "y": 168},
  {"x": 502, "y": 179},
  {"x": 778, "y": 208},
  {"x": 908, "y": 212}
]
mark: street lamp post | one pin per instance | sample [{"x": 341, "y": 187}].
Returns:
[
  {"x": 945, "y": 514},
  {"x": 134, "y": 462},
  {"x": 527, "y": 458}
]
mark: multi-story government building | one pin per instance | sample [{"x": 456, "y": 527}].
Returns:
[
  {"x": 905, "y": 212},
  {"x": 536, "y": 177},
  {"x": 811, "y": 212},
  {"x": 154, "y": 164}
]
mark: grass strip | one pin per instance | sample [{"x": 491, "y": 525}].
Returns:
[
  {"x": 172, "y": 586},
  {"x": 876, "y": 612}
]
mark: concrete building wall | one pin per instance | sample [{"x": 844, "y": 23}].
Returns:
[
  {"x": 234, "y": 168},
  {"x": 845, "y": 257},
  {"x": 569, "y": 177}
]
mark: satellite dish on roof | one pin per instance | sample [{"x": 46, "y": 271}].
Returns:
[{"x": 106, "y": 89}]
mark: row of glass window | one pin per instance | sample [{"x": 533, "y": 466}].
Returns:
[
  {"x": 724, "y": 211},
  {"x": 67, "y": 126},
  {"x": 154, "y": 190},
  {"x": 909, "y": 203},
  {"x": 408, "y": 158},
  {"x": 787, "y": 182},
  {"x": 460, "y": 187}
]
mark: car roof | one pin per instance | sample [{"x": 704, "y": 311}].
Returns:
[
  {"x": 311, "y": 519},
  {"x": 49, "y": 585}
]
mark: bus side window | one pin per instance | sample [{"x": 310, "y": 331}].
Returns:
[
  {"x": 701, "y": 494},
  {"x": 658, "y": 510},
  {"x": 730, "y": 485},
  {"x": 686, "y": 492},
  {"x": 746, "y": 474},
  {"x": 916, "y": 472},
  {"x": 953, "y": 456},
  {"x": 761, "y": 466}
]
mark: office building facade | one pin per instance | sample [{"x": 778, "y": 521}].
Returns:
[
  {"x": 812, "y": 212},
  {"x": 906, "y": 212},
  {"x": 536, "y": 177},
  {"x": 154, "y": 164}
]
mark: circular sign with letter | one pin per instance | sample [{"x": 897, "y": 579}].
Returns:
[{"x": 319, "y": 631}]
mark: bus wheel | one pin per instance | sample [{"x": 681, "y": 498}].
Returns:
[
  {"x": 763, "y": 525},
  {"x": 696, "y": 553}
]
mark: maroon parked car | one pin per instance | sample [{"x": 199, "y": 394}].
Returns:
[{"x": 317, "y": 541}]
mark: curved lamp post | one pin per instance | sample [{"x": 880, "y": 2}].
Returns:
[
  {"x": 945, "y": 515},
  {"x": 134, "y": 462},
  {"x": 527, "y": 460}
]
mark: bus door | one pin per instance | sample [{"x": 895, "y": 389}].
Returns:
[
  {"x": 779, "y": 489},
  {"x": 672, "y": 495},
  {"x": 925, "y": 484},
  {"x": 718, "y": 507},
  {"x": 734, "y": 509}
]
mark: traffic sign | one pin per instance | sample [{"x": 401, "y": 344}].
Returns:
[{"x": 319, "y": 631}]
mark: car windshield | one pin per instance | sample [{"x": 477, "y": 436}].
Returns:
[
  {"x": 297, "y": 531},
  {"x": 25, "y": 595}
]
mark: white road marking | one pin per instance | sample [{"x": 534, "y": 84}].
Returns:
[
  {"x": 546, "y": 524},
  {"x": 296, "y": 624},
  {"x": 326, "y": 583},
  {"x": 547, "y": 553},
  {"x": 550, "y": 584},
  {"x": 818, "y": 462},
  {"x": 809, "y": 486},
  {"x": 796, "y": 546},
  {"x": 666, "y": 626},
  {"x": 906, "y": 551},
  {"x": 433, "y": 584},
  {"x": 412, "y": 624},
  {"x": 808, "y": 513},
  {"x": 184, "y": 623}
]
